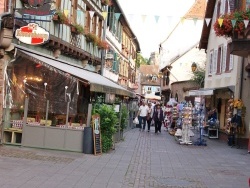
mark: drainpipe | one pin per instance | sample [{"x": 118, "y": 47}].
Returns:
[
  {"x": 104, "y": 38},
  {"x": 241, "y": 77}
]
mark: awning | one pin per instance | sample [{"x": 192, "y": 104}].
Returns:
[
  {"x": 98, "y": 83},
  {"x": 153, "y": 97},
  {"x": 201, "y": 92}
]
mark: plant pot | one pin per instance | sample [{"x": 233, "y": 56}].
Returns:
[{"x": 6, "y": 37}]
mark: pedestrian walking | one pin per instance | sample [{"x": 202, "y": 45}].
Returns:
[
  {"x": 158, "y": 118},
  {"x": 142, "y": 115},
  {"x": 150, "y": 115}
]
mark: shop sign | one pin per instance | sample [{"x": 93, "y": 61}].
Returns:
[
  {"x": 32, "y": 34},
  {"x": 37, "y": 8}
]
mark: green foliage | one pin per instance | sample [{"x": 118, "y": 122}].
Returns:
[
  {"x": 79, "y": 28},
  {"x": 124, "y": 117},
  {"x": 140, "y": 60},
  {"x": 108, "y": 120},
  {"x": 199, "y": 77}
]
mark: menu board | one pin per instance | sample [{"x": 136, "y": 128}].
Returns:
[{"x": 97, "y": 134}]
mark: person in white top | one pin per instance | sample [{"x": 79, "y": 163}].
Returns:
[
  {"x": 150, "y": 115},
  {"x": 142, "y": 113}
]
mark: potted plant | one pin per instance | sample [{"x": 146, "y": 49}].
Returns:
[
  {"x": 77, "y": 29},
  {"x": 91, "y": 37},
  {"x": 103, "y": 44},
  {"x": 60, "y": 17},
  {"x": 232, "y": 24},
  {"x": 105, "y": 2}
]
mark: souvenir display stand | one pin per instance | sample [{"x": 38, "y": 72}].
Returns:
[
  {"x": 186, "y": 123},
  {"x": 201, "y": 121},
  {"x": 175, "y": 116},
  {"x": 168, "y": 117}
]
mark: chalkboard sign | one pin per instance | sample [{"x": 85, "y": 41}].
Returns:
[{"x": 97, "y": 134}]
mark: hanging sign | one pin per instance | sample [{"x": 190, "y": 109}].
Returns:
[
  {"x": 32, "y": 34},
  {"x": 37, "y": 8}
]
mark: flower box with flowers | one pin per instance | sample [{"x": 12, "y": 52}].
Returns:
[
  {"x": 102, "y": 44},
  {"x": 235, "y": 25},
  {"x": 60, "y": 17}
]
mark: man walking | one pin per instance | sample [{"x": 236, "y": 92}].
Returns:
[{"x": 142, "y": 113}]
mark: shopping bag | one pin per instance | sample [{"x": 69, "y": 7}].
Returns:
[{"x": 136, "y": 121}]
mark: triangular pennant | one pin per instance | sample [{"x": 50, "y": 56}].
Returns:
[
  {"x": 117, "y": 16},
  {"x": 91, "y": 13},
  {"x": 233, "y": 22},
  {"x": 246, "y": 22},
  {"x": 182, "y": 20},
  {"x": 131, "y": 17},
  {"x": 66, "y": 12},
  {"x": 207, "y": 21},
  {"x": 104, "y": 14},
  {"x": 143, "y": 17},
  {"x": 195, "y": 20},
  {"x": 220, "y": 21},
  {"x": 157, "y": 19}
]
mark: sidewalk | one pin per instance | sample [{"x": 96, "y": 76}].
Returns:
[{"x": 142, "y": 160}]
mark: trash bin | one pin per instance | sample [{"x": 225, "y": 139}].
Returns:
[
  {"x": 88, "y": 142},
  {"x": 230, "y": 140}
]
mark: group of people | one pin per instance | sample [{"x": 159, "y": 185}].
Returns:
[{"x": 150, "y": 113}]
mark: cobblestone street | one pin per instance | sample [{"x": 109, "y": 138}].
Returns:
[{"x": 142, "y": 160}]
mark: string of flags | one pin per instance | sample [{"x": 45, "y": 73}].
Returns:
[
  {"x": 143, "y": 17},
  {"x": 233, "y": 22}
]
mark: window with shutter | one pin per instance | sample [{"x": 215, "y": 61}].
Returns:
[
  {"x": 215, "y": 60},
  {"x": 224, "y": 58},
  {"x": 231, "y": 63},
  {"x": 228, "y": 58},
  {"x": 219, "y": 60},
  {"x": 211, "y": 60}
]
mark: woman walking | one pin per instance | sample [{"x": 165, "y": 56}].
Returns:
[{"x": 158, "y": 118}]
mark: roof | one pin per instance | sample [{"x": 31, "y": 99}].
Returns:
[
  {"x": 206, "y": 29},
  {"x": 149, "y": 69},
  {"x": 197, "y": 10}
]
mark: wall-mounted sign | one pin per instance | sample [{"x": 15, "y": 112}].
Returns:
[
  {"x": 97, "y": 134},
  {"x": 37, "y": 7},
  {"x": 32, "y": 34}
]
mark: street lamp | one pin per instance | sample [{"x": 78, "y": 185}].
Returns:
[{"x": 194, "y": 67}]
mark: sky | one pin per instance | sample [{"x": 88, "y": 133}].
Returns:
[{"x": 153, "y": 20}]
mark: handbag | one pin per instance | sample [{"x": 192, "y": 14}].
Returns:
[{"x": 136, "y": 121}]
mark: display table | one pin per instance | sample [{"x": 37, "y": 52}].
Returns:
[{"x": 213, "y": 132}]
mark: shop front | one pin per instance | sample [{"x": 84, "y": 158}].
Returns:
[{"x": 48, "y": 102}]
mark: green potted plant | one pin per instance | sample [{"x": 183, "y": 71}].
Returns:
[
  {"x": 108, "y": 120},
  {"x": 91, "y": 37},
  {"x": 124, "y": 117},
  {"x": 77, "y": 29},
  {"x": 60, "y": 17}
]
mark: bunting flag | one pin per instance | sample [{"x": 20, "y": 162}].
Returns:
[
  {"x": 182, "y": 20},
  {"x": 104, "y": 14},
  {"x": 208, "y": 21},
  {"x": 143, "y": 17},
  {"x": 195, "y": 20},
  {"x": 233, "y": 22},
  {"x": 66, "y": 12},
  {"x": 220, "y": 21},
  {"x": 91, "y": 13},
  {"x": 246, "y": 22},
  {"x": 157, "y": 19},
  {"x": 117, "y": 16}
]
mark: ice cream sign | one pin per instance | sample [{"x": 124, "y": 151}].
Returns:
[{"x": 32, "y": 34}]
